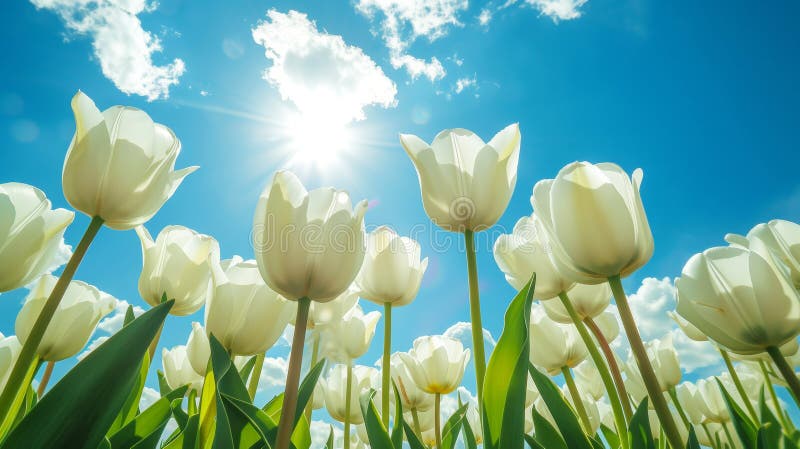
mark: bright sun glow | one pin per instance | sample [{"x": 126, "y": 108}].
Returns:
[{"x": 315, "y": 140}]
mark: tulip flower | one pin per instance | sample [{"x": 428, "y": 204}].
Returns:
[
  {"x": 120, "y": 165},
  {"x": 474, "y": 423},
  {"x": 198, "y": 349},
  {"x": 309, "y": 247},
  {"x": 349, "y": 338},
  {"x": 74, "y": 321},
  {"x": 589, "y": 301},
  {"x": 744, "y": 300},
  {"x": 466, "y": 185},
  {"x": 390, "y": 276},
  {"x": 588, "y": 379},
  {"x": 411, "y": 396},
  {"x": 179, "y": 263},
  {"x": 780, "y": 237},
  {"x": 178, "y": 371},
  {"x": 322, "y": 314},
  {"x": 9, "y": 351},
  {"x": 554, "y": 346},
  {"x": 436, "y": 363},
  {"x": 30, "y": 236},
  {"x": 664, "y": 360},
  {"x": 688, "y": 328},
  {"x": 595, "y": 219},
  {"x": 344, "y": 385},
  {"x": 245, "y": 315}
]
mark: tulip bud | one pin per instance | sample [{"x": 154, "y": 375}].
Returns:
[
  {"x": 596, "y": 221},
  {"x": 198, "y": 349},
  {"x": 553, "y": 345},
  {"x": 350, "y": 337},
  {"x": 243, "y": 313},
  {"x": 526, "y": 251},
  {"x": 474, "y": 422},
  {"x": 9, "y": 351},
  {"x": 739, "y": 298},
  {"x": 589, "y": 301},
  {"x": 336, "y": 391},
  {"x": 180, "y": 263},
  {"x": 322, "y": 314},
  {"x": 177, "y": 369},
  {"x": 74, "y": 321},
  {"x": 588, "y": 379},
  {"x": 307, "y": 244},
  {"x": 411, "y": 396},
  {"x": 30, "y": 235},
  {"x": 436, "y": 363},
  {"x": 689, "y": 396},
  {"x": 465, "y": 183},
  {"x": 120, "y": 165},
  {"x": 688, "y": 328},
  {"x": 392, "y": 270},
  {"x": 664, "y": 360},
  {"x": 608, "y": 325}
]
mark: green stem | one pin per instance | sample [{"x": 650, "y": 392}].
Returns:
[
  {"x": 255, "y": 376},
  {"x": 19, "y": 399},
  {"x": 643, "y": 362},
  {"x": 191, "y": 406},
  {"x": 711, "y": 440},
  {"x": 16, "y": 380},
  {"x": 728, "y": 435},
  {"x": 347, "y": 405},
  {"x": 613, "y": 397},
  {"x": 738, "y": 383},
  {"x": 48, "y": 371},
  {"x": 415, "y": 419},
  {"x": 475, "y": 315},
  {"x": 613, "y": 367},
  {"x": 437, "y": 419},
  {"x": 772, "y": 395},
  {"x": 293, "y": 375},
  {"x": 674, "y": 396},
  {"x": 576, "y": 400},
  {"x": 314, "y": 359},
  {"x": 386, "y": 364},
  {"x": 786, "y": 371}
]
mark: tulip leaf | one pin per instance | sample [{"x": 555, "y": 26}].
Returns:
[
  {"x": 131, "y": 407},
  {"x": 546, "y": 435},
  {"x": 329, "y": 443},
  {"x": 469, "y": 437},
  {"x": 639, "y": 428},
  {"x": 505, "y": 382},
  {"x": 412, "y": 438},
  {"x": 186, "y": 438},
  {"x": 306, "y": 389},
  {"x": 247, "y": 369},
  {"x": 610, "y": 436},
  {"x": 692, "y": 442},
  {"x": 153, "y": 420},
  {"x": 563, "y": 415},
  {"x": 376, "y": 432},
  {"x": 163, "y": 386},
  {"x": 398, "y": 424},
  {"x": 745, "y": 428},
  {"x": 69, "y": 412},
  {"x": 532, "y": 443},
  {"x": 452, "y": 427},
  {"x": 772, "y": 433}
]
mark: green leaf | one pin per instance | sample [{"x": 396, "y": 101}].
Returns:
[
  {"x": 745, "y": 428},
  {"x": 377, "y": 434},
  {"x": 469, "y": 437},
  {"x": 163, "y": 386},
  {"x": 505, "y": 383},
  {"x": 186, "y": 438},
  {"x": 692, "y": 442},
  {"x": 452, "y": 427},
  {"x": 772, "y": 434},
  {"x": 244, "y": 373},
  {"x": 149, "y": 422},
  {"x": 610, "y": 436},
  {"x": 70, "y": 412},
  {"x": 532, "y": 443},
  {"x": 131, "y": 407},
  {"x": 546, "y": 435},
  {"x": 329, "y": 443},
  {"x": 398, "y": 425},
  {"x": 639, "y": 428},
  {"x": 307, "y": 389},
  {"x": 412, "y": 438},
  {"x": 562, "y": 412}
]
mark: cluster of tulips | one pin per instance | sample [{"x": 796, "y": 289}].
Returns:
[{"x": 312, "y": 262}]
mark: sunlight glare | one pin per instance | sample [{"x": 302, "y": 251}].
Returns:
[{"x": 317, "y": 140}]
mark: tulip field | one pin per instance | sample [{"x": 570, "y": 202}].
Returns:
[{"x": 553, "y": 380}]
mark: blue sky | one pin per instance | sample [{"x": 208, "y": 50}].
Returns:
[{"x": 701, "y": 96}]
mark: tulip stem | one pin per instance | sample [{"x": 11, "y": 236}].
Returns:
[
  {"x": 643, "y": 362},
  {"x": 415, "y": 419},
  {"x": 728, "y": 435},
  {"x": 739, "y": 388},
  {"x": 437, "y": 419},
  {"x": 772, "y": 395},
  {"x": 255, "y": 376},
  {"x": 314, "y": 360},
  {"x": 475, "y": 315},
  {"x": 786, "y": 371},
  {"x": 613, "y": 397},
  {"x": 48, "y": 371},
  {"x": 711, "y": 440},
  {"x": 613, "y": 367},
  {"x": 347, "y": 404},
  {"x": 386, "y": 364},
  {"x": 674, "y": 396},
  {"x": 27, "y": 354},
  {"x": 191, "y": 403},
  {"x": 293, "y": 375},
  {"x": 576, "y": 400}
]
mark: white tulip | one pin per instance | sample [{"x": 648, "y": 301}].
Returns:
[
  {"x": 465, "y": 183},
  {"x": 553, "y": 345},
  {"x": 526, "y": 251},
  {"x": 245, "y": 315},
  {"x": 594, "y": 216},
  {"x": 392, "y": 270},
  {"x": 350, "y": 337},
  {"x": 739, "y": 298},
  {"x": 436, "y": 363},
  {"x": 474, "y": 423},
  {"x": 336, "y": 391},
  {"x": 427, "y": 419},
  {"x": 664, "y": 359},
  {"x": 318, "y": 399},
  {"x": 9, "y": 351},
  {"x": 609, "y": 325},
  {"x": 308, "y": 244},
  {"x": 120, "y": 165},
  {"x": 411, "y": 396},
  {"x": 179, "y": 263},
  {"x": 688, "y": 328},
  {"x": 198, "y": 349},
  {"x": 689, "y": 397},
  {"x": 655, "y": 425},
  {"x": 177, "y": 369},
  {"x": 782, "y": 238},
  {"x": 588, "y": 379},
  {"x": 30, "y": 234},
  {"x": 589, "y": 301},
  {"x": 322, "y": 314},
  {"x": 74, "y": 321}
]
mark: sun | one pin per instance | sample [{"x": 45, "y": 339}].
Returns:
[{"x": 317, "y": 141}]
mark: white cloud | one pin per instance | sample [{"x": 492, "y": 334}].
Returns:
[
  {"x": 558, "y": 9},
  {"x": 465, "y": 83},
  {"x": 92, "y": 346},
  {"x": 124, "y": 49},
  {"x": 318, "y": 72},
  {"x": 403, "y": 21},
  {"x": 149, "y": 397},
  {"x": 274, "y": 373},
  {"x": 485, "y": 17},
  {"x": 320, "y": 431},
  {"x": 463, "y": 331}
]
